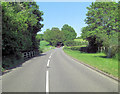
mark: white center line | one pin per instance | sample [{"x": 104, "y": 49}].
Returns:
[
  {"x": 48, "y": 63},
  {"x": 50, "y": 56},
  {"x": 47, "y": 82},
  {"x": 47, "y": 76}
]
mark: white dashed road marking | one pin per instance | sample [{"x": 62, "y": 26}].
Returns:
[
  {"x": 47, "y": 75},
  {"x": 47, "y": 82},
  {"x": 48, "y": 63},
  {"x": 50, "y": 56}
]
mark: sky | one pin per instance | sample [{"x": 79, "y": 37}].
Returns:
[{"x": 56, "y": 14}]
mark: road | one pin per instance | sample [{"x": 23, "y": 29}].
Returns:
[{"x": 54, "y": 71}]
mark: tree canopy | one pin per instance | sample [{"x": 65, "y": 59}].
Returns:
[
  {"x": 55, "y": 36},
  {"x": 40, "y": 37},
  {"x": 69, "y": 32},
  {"x": 102, "y": 29},
  {"x": 21, "y": 22}
]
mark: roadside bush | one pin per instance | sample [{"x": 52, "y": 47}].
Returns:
[
  {"x": 83, "y": 49},
  {"x": 111, "y": 51},
  {"x": 67, "y": 47},
  {"x": 75, "y": 48},
  {"x": 10, "y": 61},
  {"x": 112, "y": 46},
  {"x": 70, "y": 43},
  {"x": 117, "y": 56},
  {"x": 78, "y": 43},
  {"x": 40, "y": 50}
]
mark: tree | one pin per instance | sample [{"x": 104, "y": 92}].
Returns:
[
  {"x": 102, "y": 20},
  {"x": 69, "y": 32},
  {"x": 21, "y": 22},
  {"x": 54, "y": 36},
  {"x": 40, "y": 37}
]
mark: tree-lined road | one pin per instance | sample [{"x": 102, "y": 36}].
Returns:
[{"x": 54, "y": 71}]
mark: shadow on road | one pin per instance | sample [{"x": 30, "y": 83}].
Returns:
[
  {"x": 9, "y": 69},
  {"x": 40, "y": 55}
]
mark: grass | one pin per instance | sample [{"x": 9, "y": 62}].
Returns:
[
  {"x": 76, "y": 46},
  {"x": 80, "y": 40},
  {"x": 44, "y": 45},
  {"x": 98, "y": 60}
]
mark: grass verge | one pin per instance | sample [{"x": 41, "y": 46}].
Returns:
[
  {"x": 97, "y": 60},
  {"x": 44, "y": 46}
]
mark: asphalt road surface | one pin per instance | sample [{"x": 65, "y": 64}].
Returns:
[{"x": 54, "y": 71}]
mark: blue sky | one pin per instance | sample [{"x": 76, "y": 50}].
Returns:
[{"x": 56, "y": 14}]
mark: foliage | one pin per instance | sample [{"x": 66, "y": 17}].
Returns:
[
  {"x": 40, "y": 37},
  {"x": 20, "y": 24},
  {"x": 11, "y": 61},
  {"x": 75, "y": 48},
  {"x": 102, "y": 29},
  {"x": 80, "y": 40},
  {"x": 70, "y": 43},
  {"x": 79, "y": 37},
  {"x": 76, "y": 42},
  {"x": 69, "y": 32},
  {"x": 53, "y": 36},
  {"x": 56, "y": 37},
  {"x": 78, "y": 48},
  {"x": 45, "y": 46},
  {"x": 111, "y": 44},
  {"x": 43, "y": 43}
]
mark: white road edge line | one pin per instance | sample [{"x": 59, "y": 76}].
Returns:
[
  {"x": 47, "y": 82},
  {"x": 48, "y": 63}
]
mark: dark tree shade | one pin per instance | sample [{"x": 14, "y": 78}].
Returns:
[{"x": 21, "y": 22}]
